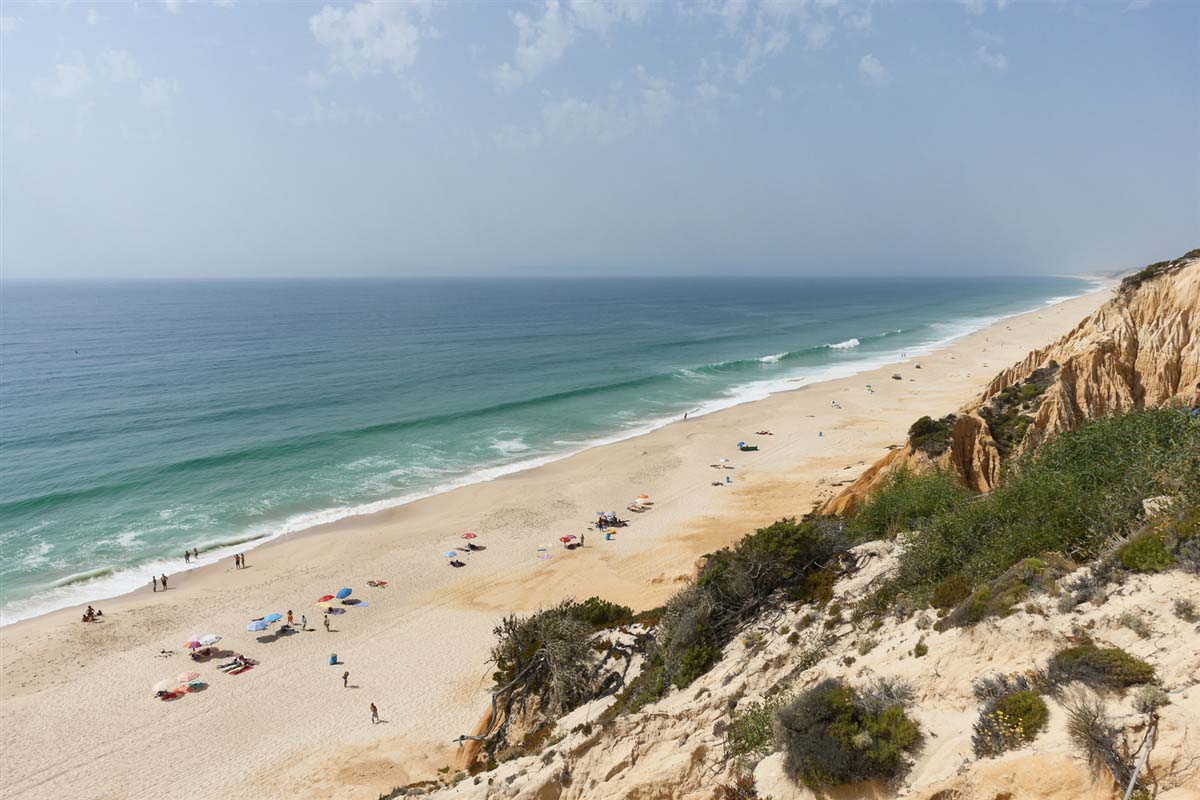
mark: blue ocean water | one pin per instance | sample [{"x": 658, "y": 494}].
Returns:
[{"x": 139, "y": 419}]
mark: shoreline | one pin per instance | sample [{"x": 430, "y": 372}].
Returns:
[
  {"x": 306, "y": 522},
  {"x": 419, "y": 648}
]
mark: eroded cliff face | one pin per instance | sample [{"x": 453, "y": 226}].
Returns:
[{"x": 1142, "y": 348}]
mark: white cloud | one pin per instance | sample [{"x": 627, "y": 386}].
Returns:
[
  {"x": 93, "y": 17},
  {"x": 543, "y": 41},
  {"x": 872, "y": 71},
  {"x": 514, "y": 138},
  {"x": 69, "y": 79},
  {"x": 176, "y": 6},
  {"x": 979, "y": 7},
  {"x": 117, "y": 65},
  {"x": 996, "y": 61},
  {"x": 157, "y": 93},
  {"x": 315, "y": 80},
  {"x": 368, "y": 38},
  {"x": 507, "y": 77},
  {"x": 8, "y": 25},
  {"x": 855, "y": 19},
  {"x": 573, "y": 119},
  {"x": 615, "y": 117},
  {"x": 768, "y": 31},
  {"x": 708, "y": 91}
]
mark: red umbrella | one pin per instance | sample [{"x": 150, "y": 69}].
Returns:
[
  {"x": 469, "y": 536},
  {"x": 325, "y": 599},
  {"x": 565, "y": 539}
]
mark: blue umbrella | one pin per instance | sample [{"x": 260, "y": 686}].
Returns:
[
  {"x": 257, "y": 625},
  {"x": 272, "y": 617},
  {"x": 342, "y": 594},
  {"x": 451, "y": 554}
]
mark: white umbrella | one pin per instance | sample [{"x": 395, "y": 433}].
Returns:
[
  {"x": 165, "y": 686},
  {"x": 209, "y": 639}
]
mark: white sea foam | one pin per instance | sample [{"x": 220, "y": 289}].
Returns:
[
  {"x": 772, "y": 359},
  {"x": 111, "y": 583},
  {"x": 509, "y": 446},
  {"x": 849, "y": 344}
]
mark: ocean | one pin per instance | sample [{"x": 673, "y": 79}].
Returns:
[{"x": 140, "y": 419}]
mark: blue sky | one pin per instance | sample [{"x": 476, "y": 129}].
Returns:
[{"x": 214, "y": 139}]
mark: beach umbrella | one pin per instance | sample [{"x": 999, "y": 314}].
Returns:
[
  {"x": 565, "y": 539},
  {"x": 342, "y": 594},
  {"x": 165, "y": 686},
  {"x": 187, "y": 677},
  {"x": 192, "y": 643},
  {"x": 741, "y": 444},
  {"x": 451, "y": 554},
  {"x": 469, "y": 536},
  {"x": 209, "y": 639},
  {"x": 272, "y": 617},
  {"x": 325, "y": 599},
  {"x": 643, "y": 497},
  {"x": 257, "y": 625},
  {"x": 724, "y": 460}
]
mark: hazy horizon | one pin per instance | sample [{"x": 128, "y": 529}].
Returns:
[{"x": 192, "y": 140}]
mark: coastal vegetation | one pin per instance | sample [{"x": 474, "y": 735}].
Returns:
[
  {"x": 1076, "y": 495},
  {"x": 1008, "y": 722},
  {"x": 834, "y": 733}
]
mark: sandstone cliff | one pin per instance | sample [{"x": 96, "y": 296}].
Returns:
[{"x": 1142, "y": 348}]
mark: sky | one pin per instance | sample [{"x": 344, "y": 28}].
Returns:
[{"x": 214, "y": 138}]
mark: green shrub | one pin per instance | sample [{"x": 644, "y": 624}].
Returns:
[
  {"x": 830, "y": 737},
  {"x": 931, "y": 436},
  {"x": 601, "y": 614},
  {"x": 1098, "y": 667},
  {"x": 951, "y": 591},
  {"x": 904, "y": 501},
  {"x": 751, "y": 731},
  {"x": 1009, "y": 722},
  {"x": 1000, "y": 597},
  {"x": 920, "y": 649},
  {"x": 1146, "y": 552}
]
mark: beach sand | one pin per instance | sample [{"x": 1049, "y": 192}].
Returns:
[{"x": 79, "y": 719}]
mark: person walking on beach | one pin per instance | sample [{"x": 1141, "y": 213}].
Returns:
[
  {"x": 163, "y": 579},
  {"x": 327, "y": 623},
  {"x": 374, "y": 714},
  {"x": 195, "y": 552},
  {"x": 154, "y": 581},
  {"x": 303, "y": 622},
  {"x": 289, "y": 616},
  {"x": 345, "y": 679},
  {"x": 581, "y": 540},
  {"x": 187, "y": 556}
]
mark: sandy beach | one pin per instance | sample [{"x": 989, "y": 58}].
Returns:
[{"x": 79, "y": 717}]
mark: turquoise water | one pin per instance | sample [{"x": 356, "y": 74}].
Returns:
[{"x": 139, "y": 419}]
